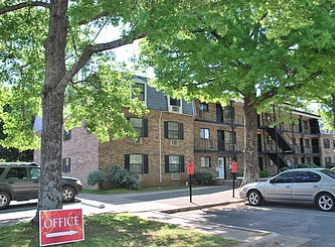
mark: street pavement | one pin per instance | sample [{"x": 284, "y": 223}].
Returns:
[{"x": 159, "y": 206}]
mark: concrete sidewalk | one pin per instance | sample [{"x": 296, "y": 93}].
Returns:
[{"x": 160, "y": 205}]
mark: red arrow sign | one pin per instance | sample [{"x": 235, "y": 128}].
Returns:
[{"x": 61, "y": 226}]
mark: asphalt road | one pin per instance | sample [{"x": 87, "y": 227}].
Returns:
[{"x": 296, "y": 221}]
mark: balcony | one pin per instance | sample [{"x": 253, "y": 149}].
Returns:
[
  {"x": 213, "y": 116},
  {"x": 216, "y": 145},
  {"x": 296, "y": 149}
]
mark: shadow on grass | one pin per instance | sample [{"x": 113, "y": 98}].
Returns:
[{"x": 119, "y": 230}]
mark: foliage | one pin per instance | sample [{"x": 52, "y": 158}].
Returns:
[
  {"x": 203, "y": 177},
  {"x": 264, "y": 54},
  {"x": 95, "y": 177},
  {"x": 126, "y": 231},
  {"x": 329, "y": 166},
  {"x": 307, "y": 165},
  {"x": 53, "y": 60},
  {"x": 264, "y": 173},
  {"x": 121, "y": 176}
]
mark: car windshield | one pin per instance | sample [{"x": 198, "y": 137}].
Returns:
[{"x": 328, "y": 173}]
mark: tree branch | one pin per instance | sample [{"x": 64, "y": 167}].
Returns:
[
  {"x": 19, "y": 6},
  {"x": 91, "y": 49}
]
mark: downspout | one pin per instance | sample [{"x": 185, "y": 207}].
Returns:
[{"x": 160, "y": 147}]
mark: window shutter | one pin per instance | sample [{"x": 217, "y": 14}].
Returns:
[
  {"x": 166, "y": 164},
  {"x": 181, "y": 131},
  {"x": 145, "y": 128},
  {"x": 127, "y": 162},
  {"x": 166, "y": 129},
  {"x": 145, "y": 164},
  {"x": 182, "y": 164}
]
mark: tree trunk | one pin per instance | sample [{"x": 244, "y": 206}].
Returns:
[
  {"x": 50, "y": 194},
  {"x": 251, "y": 171}
]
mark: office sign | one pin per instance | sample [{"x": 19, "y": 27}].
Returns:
[{"x": 61, "y": 226}]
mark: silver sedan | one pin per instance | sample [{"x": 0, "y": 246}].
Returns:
[{"x": 305, "y": 186}]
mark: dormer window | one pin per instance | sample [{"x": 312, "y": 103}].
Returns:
[
  {"x": 175, "y": 105},
  {"x": 140, "y": 92}
]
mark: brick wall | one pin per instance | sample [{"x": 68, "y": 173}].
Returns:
[
  {"x": 155, "y": 146},
  {"x": 82, "y": 148}
]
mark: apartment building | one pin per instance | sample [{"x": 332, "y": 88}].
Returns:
[
  {"x": 175, "y": 132},
  {"x": 156, "y": 158}
]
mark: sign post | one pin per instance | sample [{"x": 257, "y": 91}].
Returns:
[
  {"x": 190, "y": 172},
  {"x": 61, "y": 226},
  {"x": 234, "y": 171}
]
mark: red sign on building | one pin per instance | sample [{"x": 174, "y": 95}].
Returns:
[{"x": 61, "y": 226}]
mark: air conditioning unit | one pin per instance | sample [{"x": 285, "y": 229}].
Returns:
[
  {"x": 175, "y": 109},
  {"x": 174, "y": 142},
  {"x": 175, "y": 176}
]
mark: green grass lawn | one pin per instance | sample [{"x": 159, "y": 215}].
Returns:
[
  {"x": 119, "y": 230},
  {"x": 126, "y": 191}
]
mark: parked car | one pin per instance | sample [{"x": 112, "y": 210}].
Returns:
[
  {"x": 20, "y": 182},
  {"x": 306, "y": 186}
]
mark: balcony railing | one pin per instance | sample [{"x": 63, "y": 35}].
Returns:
[
  {"x": 296, "y": 149},
  {"x": 216, "y": 145},
  {"x": 226, "y": 119}
]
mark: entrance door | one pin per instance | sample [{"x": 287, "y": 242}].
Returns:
[{"x": 221, "y": 168}]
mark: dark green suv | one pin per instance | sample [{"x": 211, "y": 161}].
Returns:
[{"x": 20, "y": 182}]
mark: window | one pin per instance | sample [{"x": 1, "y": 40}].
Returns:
[
  {"x": 204, "y": 133},
  {"x": 66, "y": 135},
  {"x": 140, "y": 126},
  {"x": 326, "y": 143},
  {"x": 175, "y": 105},
  {"x": 17, "y": 173},
  {"x": 285, "y": 177},
  {"x": 229, "y": 112},
  {"x": 307, "y": 143},
  {"x": 175, "y": 102},
  {"x": 203, "y": 107},
  {"x": 173, "y": 130},
  {"x": 305, "y": 125},
  {"x": 139, "y": 92},
  {"x": 307, "y": 176},
  {"x": 1, "y": 170},
  {"x": 66, "y": 165},
  {"x": 35, "y": 173},
  {"x": 137, "y": 163},
  {"x": 205, "y": 161},
  {"x": 328, "y": 160},
  {"x": 174, "y": 164},
  {"x": 230, "y": 137}
]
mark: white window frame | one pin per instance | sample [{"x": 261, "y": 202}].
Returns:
[{"x": 139, "y": 81}]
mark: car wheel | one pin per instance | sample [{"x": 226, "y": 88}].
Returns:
[
  {"x": 255, "y": 198},
  {"x": 4, "y": 200},
  {"x": 325, "y": 202},
  {"x": 68, "y": 194}
]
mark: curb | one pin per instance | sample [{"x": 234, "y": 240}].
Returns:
[{"x": 198, "y": 207}]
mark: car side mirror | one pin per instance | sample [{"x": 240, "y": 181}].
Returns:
[{"x": 271, "y": 181}]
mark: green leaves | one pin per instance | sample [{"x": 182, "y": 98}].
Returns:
[{"x": 98, "y": 102}]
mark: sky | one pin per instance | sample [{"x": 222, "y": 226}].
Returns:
[{"x": 124, "y": 53}]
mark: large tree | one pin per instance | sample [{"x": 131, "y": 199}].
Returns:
[
  {"x": 49, "y": 58},
  {"x": 263, "y": 52}
]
